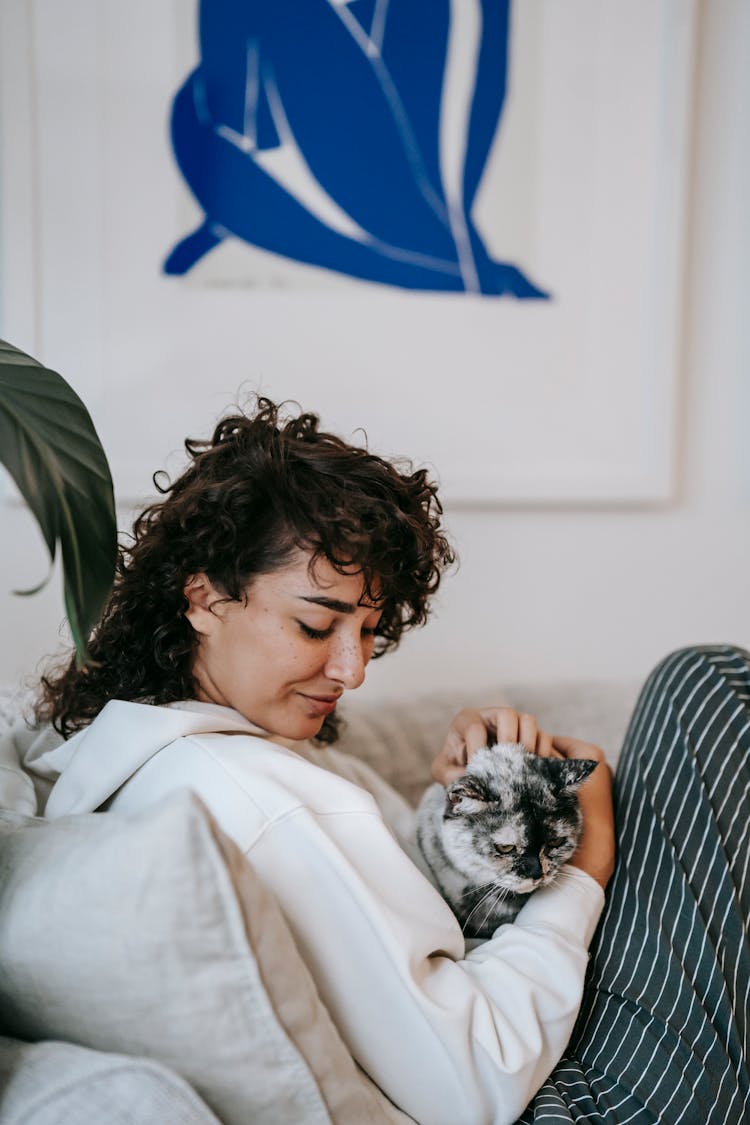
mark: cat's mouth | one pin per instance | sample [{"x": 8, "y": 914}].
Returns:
[
  {"x": 521, "y": 886},
  {"x": 526, "y": 886}
]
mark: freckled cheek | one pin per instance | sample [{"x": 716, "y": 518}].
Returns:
[{"x": 294, "y": 657}]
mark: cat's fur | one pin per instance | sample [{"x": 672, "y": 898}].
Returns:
[{"x": 506, "y": 798}]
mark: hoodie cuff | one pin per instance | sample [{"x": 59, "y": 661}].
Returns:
[{"x": 571, "y": 907}]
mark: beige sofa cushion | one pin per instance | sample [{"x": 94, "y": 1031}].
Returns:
[{"x": 150, "y": 935}]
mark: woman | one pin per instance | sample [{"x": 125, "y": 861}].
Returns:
[{"x": 251, "y": 598}]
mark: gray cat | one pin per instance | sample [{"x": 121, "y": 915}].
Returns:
[{"x": 502, "y": 829}]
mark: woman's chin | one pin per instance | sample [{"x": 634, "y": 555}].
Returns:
[{"x": 299, "y": 729}]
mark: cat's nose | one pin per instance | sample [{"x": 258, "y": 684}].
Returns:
[{"x": 529, "y": 866}]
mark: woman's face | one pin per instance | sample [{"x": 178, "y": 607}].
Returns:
[{"x": 285, "y": 656}]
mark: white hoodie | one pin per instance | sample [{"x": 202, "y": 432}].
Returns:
[{"x": 451, "y": 1037}]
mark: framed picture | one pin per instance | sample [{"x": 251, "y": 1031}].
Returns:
[{"x": 457, "y": 225}]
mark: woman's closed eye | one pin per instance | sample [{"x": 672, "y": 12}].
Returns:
[
  {"x": 315, "y": 634},
  {"x": 321, "y": 634}
]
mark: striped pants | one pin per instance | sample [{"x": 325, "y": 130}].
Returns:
[{"x": 662, "y": 1036}]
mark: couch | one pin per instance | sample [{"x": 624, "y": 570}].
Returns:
[{"x": 147, "y": 976}]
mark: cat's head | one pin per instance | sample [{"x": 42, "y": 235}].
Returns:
[{"x": 513, "y": 818}]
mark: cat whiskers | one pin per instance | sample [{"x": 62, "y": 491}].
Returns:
[
  {"x": 502, "y": 892},
  {"x": 560, "y": 876},
  {"x": 473, "y": 890}
]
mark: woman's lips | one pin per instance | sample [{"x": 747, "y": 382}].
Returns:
[{"x": 320, "y": 704}]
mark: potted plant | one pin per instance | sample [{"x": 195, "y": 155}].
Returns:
[{"x": 50, "y": 447}]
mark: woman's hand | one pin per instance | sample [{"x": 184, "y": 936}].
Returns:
[
  {"x": 595, "y": 853},
  {"x": 473, "y": 728}
]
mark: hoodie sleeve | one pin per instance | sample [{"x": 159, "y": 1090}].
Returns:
[{"x": 450, "y": 1038}]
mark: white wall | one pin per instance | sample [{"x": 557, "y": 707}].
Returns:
[
  {"x": 606, "y": 593},
  {"x": 560, "y": 592}
]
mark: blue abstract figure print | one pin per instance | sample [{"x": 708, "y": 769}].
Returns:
[{"x": 348, "y": 134}]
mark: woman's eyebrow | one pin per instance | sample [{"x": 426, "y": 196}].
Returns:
[{"x": 330, "y": 603}]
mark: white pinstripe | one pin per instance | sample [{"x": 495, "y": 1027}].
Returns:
[
  {"x": 636, "y": 961},
  {"x": 705, "y": 1020},
  {"x": 694, "y": 919},
  {"x": 734, "y": 990},
  {"x": 628, "y": 810},
  {"x": 716, "y": 963},
  {"x": 733, "y": 898}
]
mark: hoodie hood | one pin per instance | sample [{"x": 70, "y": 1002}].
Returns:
[{"x": 90, "y": 767}]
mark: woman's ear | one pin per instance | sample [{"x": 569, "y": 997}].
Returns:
[{"x": 201, "y": 595}]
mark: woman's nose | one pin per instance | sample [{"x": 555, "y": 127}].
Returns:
[{"x": 346, "y": 662}]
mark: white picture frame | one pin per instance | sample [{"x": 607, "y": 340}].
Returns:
[{"x": 572, "y": 401}]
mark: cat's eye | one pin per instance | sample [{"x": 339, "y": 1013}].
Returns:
[
  {"x": 505, "y": 849},
  {"x": 556, "y": 842}
]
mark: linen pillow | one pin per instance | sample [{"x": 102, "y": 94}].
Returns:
[
  {"x": 50, "y": 1083},
  {"x": 149, "y": 934}
]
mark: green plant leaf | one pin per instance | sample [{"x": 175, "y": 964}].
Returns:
[{"x": 49, "y": 446}]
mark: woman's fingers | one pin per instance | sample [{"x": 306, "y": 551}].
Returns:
[
  {"x": 577, "y": 748},
  {"x": 476, "y": 735},
  {"x": 507, "y": 724},
  {"x": 545, "y": 746},
  {"x": 520, "y": 726},
  {"x": 528, "y": 732},
  {"x": 474, "y": 728},
  {"x": 466, "y": 734},
  {"x": 447, "y": 766}
]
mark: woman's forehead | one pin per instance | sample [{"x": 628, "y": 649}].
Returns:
[{"x": 316, "y": 579}]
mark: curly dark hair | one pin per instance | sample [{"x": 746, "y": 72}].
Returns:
[{"x": 265, "y": 485}]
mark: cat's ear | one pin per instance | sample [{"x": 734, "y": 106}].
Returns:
[
  {"x": 465, "y": 796},
  {"x": 568, "y": 774}
]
